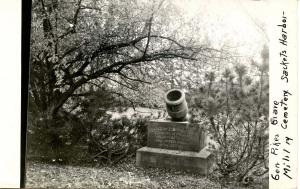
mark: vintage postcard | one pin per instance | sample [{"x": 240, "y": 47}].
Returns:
[{"x": 162, "y": 94}]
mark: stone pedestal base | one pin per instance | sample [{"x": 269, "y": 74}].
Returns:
[{"x": 198, "y": 162}]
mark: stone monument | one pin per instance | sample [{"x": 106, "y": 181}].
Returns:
[{"x": 175, "y": 142}]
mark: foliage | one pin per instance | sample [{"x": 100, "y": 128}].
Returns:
[
  {"x": 84, "y": 50},
  {"x": 235, "y": 109},
  {"x": 55, "y": 142},
  {"x": 76, "y": 44},
  {"x": 114, "y": 140},
  {"x": 58, "y": 138}
]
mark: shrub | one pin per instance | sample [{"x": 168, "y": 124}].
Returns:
[
  {"x": 53, "y": 141},
  {"x": 235, "y": 111},
  {"x": 86, "y": 123},
  {"x": 54, "y": 138},
  {"x": 114, "y": 140}
]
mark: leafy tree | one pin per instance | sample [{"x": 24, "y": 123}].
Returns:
[
  {"x": 75, "y": 44},
  {"x": 85, "y": 51}
]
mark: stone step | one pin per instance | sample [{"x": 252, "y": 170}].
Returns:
[{"x": 197, "y": 162}]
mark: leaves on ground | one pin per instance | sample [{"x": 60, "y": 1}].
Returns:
[{"x": 124, "y": 175}]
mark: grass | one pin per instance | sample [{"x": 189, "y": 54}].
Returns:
[{"x": 122, "y": 175}]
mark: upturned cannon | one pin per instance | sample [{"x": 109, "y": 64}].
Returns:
[{"x": 176, "y": 105}]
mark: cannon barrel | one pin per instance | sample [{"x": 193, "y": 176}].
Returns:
[{"x": 176, "y": 104}]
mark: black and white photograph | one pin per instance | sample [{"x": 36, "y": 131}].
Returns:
[{"x": 148, "y": 94}]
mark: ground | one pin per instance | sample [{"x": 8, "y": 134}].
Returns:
[{"x": 123, "y": 175}]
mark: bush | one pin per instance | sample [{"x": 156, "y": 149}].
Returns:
[
  {"x": 53, "y": 140},
  {"x": 114, "y": 140},
  {"x": 57, "y": 137},
  {"x": 235, "y": 110},
  {"x": 88, "y": 124}
]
